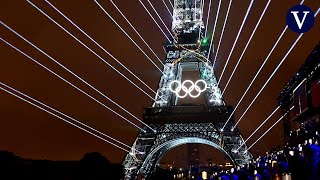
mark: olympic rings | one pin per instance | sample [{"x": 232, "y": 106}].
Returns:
[{"x": 187, "y": 89}]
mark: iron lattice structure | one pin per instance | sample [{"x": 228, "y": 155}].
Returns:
[{"x": 182, "y": 124}]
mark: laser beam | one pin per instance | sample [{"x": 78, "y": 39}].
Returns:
[
  {"x": 258, "y": 72},
  {"x": 259, "y": 127},
  {"x": 170, "y": 3},
  {"x": 74, "y": 86},
  {"x": 265, "y": 84},
  {"x": 71, "y": 72},
  {"x": 164, "y": 24},
  {"x": 208, "y": 16},
  {"x": 202, "y": 7},
  {"x": 128, "y": 35},
  {"x": 135, "y": 30},
  {"x": 83, "y": 32},
  {"x": 165, "y": 4},
  {"x": 222, "y": 33},
  {"x": 201, "y": 15},
  {"x": 265, "y": 61},
  {"x": 269, "y": 129},
  {"x": 244, "y": 50},
  {"x": 84, "y": 45},
  {"x": 155, "y": 20},
  {"x": 235, "y": 42},
  {"x": 59, "y": 112},
  {"x": 214, "y": 29},
  {"x": 256, "y": 75},
  {"x": 63, "y": 119}
]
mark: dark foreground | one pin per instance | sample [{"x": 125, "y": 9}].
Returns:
[{"x": 93, "y": 166}]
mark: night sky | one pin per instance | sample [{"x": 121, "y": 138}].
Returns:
[{"x": 30, "y": 132}]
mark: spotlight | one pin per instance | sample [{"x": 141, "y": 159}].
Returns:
[{"x": 204, "y": 40}]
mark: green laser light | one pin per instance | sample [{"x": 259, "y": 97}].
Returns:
[{"x": 204, "y": 40}]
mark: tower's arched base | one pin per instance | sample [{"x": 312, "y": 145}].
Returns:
[{"x": 196, "y": 124}]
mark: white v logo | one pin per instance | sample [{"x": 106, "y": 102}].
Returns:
[{"x": 299, "y": 23}]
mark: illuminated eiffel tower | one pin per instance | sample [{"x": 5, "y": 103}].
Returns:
[{"x": 176, "y": 122}]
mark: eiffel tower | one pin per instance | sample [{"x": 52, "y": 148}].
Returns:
[{"x": 177, "y": 123}]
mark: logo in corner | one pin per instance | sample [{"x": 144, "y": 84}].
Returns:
[{"x": 300, "y": 19}]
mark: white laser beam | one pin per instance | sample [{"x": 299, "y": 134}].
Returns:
[
  {"x": 164, "y": 24},
  {"x": 214, "y": 29},
  {"x": 276, "y": 69},
  {"x": 259, "y": 127},
  {"x": 75, "y": 25},
  {"x": 65, "y": 115},
  {"x": 146, "y": 9},
  {"x": 133, "y": 41},
  {"x": 71, "y": 72},
  {"x": 222, "y": 33},
  {"x": 269, "y": 129},
  {"x": 135, "y": 30},
  {"x": 74, "y": 86},
  {"x": 63, "y": 119},
  {"x": 84, "y": 45},
  {"x": 236, "y": 40},
  {"x": 208, "y": 16},
  {"x": 244, "y": 50}
]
